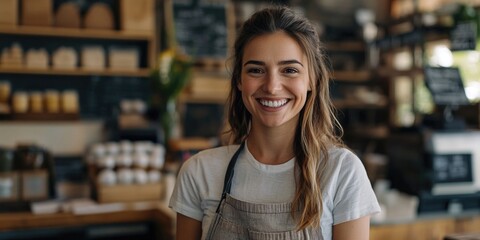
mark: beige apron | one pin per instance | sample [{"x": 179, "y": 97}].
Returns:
[{"x": 237, "y": 219}]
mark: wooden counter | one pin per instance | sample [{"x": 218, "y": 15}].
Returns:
[
  {"x": 430, "y": 227},
  {"x": 28, "y": 221},
  {"x": 434, "y": 227}
]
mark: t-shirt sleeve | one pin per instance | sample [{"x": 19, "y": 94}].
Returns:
[
  {"x": 186, "y": 198},
  {"x": 354, "y": 197}
]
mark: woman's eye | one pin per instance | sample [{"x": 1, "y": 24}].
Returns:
[
  {"x": 290, "y": 70},
  {"x": 255, "y": 70}
]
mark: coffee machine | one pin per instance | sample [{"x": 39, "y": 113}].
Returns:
[
  {"x": 26, "y": 175},
  {"x": 440, "y": 167}
]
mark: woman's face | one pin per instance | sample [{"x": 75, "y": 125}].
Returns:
[{"x": 274, "y": 80}]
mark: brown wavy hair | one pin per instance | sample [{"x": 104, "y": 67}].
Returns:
[{"x": 317, "y": 129}]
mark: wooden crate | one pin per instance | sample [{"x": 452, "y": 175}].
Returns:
[
  {"x": 129, "y": 193},
  {"x": 137, "y": 15},
  {"x": 37, "y": 12},
  {"x": 9, "y": 12}
]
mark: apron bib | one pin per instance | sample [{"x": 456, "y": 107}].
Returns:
[{"x": 235, "y": 219}]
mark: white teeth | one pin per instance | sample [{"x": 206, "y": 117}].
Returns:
[{"x": 275, "y": 104}]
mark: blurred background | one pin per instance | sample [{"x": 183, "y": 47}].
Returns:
[{"x": 102, "y": 101}]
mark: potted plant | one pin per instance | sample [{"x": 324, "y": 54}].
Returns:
[{"x": 167, "y": 81}]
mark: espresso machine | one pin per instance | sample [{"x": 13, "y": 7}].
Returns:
[
  {"x": 440, "y": 167},
  {"x": 26, "y": 175}
]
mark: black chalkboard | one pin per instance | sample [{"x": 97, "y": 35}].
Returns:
[
  {"x": 203, "y": 120},
  {"x": 464, "y": 36},
  {"x": 452, "y": 168},
  {"x": 446, "y": 86},
  {"x": 201, "y": 28}
]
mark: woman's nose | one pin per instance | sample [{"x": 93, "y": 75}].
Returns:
[{"x": 272, "y": 83}]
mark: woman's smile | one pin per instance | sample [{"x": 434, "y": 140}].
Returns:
[{"x": 273, "y": 103}]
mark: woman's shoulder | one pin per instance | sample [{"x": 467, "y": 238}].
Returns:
[
  {"x": 343, "y": 158},
  {"x": 342, "y": 154},
  {"x": 216, "y": 153},
  {"x": 211, "y": 158}
]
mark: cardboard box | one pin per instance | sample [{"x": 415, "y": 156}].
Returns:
[
  {"x": 68, "y": 15},
  {"x": 123, "y": 59},
  {"x": 99, "y": 16},
  {"x": 36, "y": 58},
  {"x": 137, "y": 15},
  {"x": 37, "y": 12},
  {"x": 8, "y": 12},
  {"x": 64, "y": 58},
  {"x": 93, "y": 58}
]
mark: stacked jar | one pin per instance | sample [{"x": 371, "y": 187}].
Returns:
[
  {"x": 127, "y": 162},
  {"x": 50, "y": 101}
]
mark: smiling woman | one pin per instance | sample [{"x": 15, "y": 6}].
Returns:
[
  {"x": 274, "y": 83},
  {"x": 286, "y": 174}
]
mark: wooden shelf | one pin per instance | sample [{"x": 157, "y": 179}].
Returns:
[
  {"x": 345, "y": 46},
  {"x": 352, "y": 76},
  {"x": 143, "y": 72},
  {"x": 372, "y": 132},
  {"x": 76, "y": 33},
  {"x": 48, "y": 117},
  {"x": 390, "y": 72},
  {"x": 206, "y": 88},
  {"x": 355, "y": 104},
  {"x": 412, "y": 38},
  {"x": 203, "y": 98}
]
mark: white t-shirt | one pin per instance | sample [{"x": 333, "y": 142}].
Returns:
[{"x": 347, "y": 195}]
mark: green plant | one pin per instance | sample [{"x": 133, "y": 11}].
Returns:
[{"x": 167, "y": 81}]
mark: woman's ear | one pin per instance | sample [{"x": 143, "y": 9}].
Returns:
[{"x": 239, "y": 86}]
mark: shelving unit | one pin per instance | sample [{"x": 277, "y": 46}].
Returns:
[
  {"x": 352, "y": 76},
  {"x": 99, "y": 90},
  {"x": 361, "y": 118},
  {"x": 351, "y": 104},
  {"x": 412, "y": 38},
  {"x": 80, "y": 33},
  {"x": 350, "y": 46}
]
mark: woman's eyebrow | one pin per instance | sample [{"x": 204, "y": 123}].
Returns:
[
  {"x": 254, "y": 62},
  {"x": 284, "y": 62},
  {"x": 293, "y": 61}
]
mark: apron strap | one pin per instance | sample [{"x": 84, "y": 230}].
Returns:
[{"x": 227, "y": 184}]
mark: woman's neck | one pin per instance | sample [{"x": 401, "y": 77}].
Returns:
[{"x": 271, "y": 146}]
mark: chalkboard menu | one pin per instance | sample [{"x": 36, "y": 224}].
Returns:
[
  {"x": 452, "y": 168},
  {"x": 201, "y": 28},
  {"x": 464, "y": 36},
  {"x": 446, "y": 86}
]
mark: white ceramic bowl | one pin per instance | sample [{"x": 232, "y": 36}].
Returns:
[
  {"x": 140, "y": 176},
  {"x": 107, "y": 177},
  {"x": 154, "y": 176},
  {"x": 124, "y": 160},
  {"x": 125, "y": 176}
]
